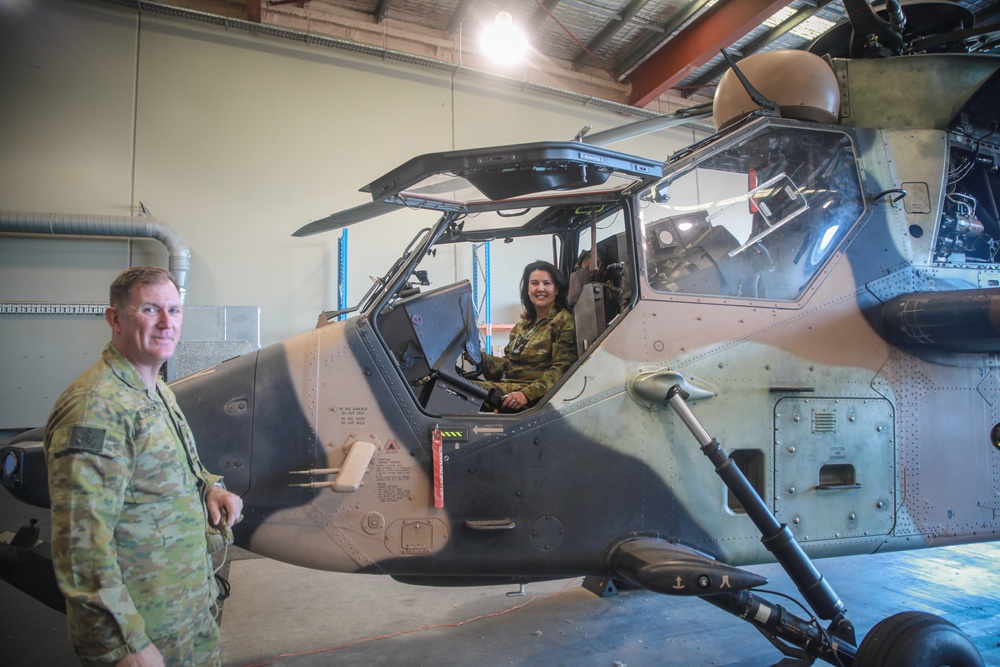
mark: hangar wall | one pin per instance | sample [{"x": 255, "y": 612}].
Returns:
[{"x": 234, "y": 140}]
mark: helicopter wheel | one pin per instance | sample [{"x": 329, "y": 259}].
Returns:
[{"x": 916, "y": 639}]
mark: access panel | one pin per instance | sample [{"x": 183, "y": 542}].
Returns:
[{"x": 834, "y": 466}]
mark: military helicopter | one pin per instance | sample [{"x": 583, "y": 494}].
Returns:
[{"x": 806, "y": 296}]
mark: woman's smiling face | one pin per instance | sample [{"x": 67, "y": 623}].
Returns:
[{"x": 542, "y": 291}]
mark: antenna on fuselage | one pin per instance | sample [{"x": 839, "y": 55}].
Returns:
[{"x": 767, "y": 105}]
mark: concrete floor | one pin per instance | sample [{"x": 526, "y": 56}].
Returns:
[
  {"x": 287, "y": 616},
  {"x": 290, "y": 617}
]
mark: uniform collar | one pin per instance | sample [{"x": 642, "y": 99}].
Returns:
[
  {"x": 553, "y": 311},
  {"x": 125, "y": 371}
]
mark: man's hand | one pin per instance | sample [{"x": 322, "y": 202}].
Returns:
[
  {"x": 147, "y": 657},
  {"x": 220, "y": 501}
]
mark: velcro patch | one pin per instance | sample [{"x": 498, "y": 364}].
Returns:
[
  {"x": 149, "y": 410},
  {"x": 86, "y": 439}
]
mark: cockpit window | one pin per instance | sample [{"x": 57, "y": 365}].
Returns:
[{"x": 755, "y": 218}]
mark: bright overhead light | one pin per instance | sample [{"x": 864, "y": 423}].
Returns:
[{"x": 502, "y": 41}]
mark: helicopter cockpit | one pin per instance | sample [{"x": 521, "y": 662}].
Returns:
[
  {"x": 552, "y": 200},
  {"x": 754, "y": 215},
  {"x": 429, "y": 332}
]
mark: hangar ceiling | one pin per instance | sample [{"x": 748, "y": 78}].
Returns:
[{"x": 647, "y": 55}]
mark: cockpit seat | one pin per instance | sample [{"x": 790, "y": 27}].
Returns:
[
  {"x": 594, "y": 309},
  {"x": 592, "y": 295}
]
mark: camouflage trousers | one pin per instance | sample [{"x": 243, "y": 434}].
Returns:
[{"x": 199, "y": 647}]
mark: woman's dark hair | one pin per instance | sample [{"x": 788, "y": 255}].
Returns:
[{"x": 562, "y": 287}]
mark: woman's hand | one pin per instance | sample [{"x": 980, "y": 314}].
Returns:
[{"x": 515, "y": 400}]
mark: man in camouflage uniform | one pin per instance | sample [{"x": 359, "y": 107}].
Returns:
[
  {"x": 131, "y": 501},
  {"x": 542, "y": 344}
]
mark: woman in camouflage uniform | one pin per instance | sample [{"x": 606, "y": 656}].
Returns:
[{"x": 542, "y": 345}]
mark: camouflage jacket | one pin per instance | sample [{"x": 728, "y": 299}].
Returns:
[
  {"x": 128, "y": 512},
  {"x": 536, "y": 357}
]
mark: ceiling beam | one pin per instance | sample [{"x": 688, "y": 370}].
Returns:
[
  {"x": 609, "y": 31},
  {"x": 253, "y": 10},
  {"x": 541, "y": 13},
  {"x": 458, "y": 16},
  {"x": 694, "y": 46},
  {"x": 650, "y": 44},
  {"x": 709, "y": 77}
]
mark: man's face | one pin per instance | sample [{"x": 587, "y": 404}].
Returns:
[{"x": 146, "y": 330}]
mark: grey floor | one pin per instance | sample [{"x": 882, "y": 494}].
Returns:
[
  {"x": 287, "y": 616},
  {"x": 292, "y": 617}
]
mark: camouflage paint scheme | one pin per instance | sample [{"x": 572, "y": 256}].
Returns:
[{"x": 596, "y": 463}]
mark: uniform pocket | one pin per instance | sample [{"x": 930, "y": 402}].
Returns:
[{"x": 160, "y": 470}]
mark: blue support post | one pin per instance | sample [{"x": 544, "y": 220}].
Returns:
[
  {"x": 488, "y": 316},
  {"x": 482, "y": 306},
  {"x": 342, "y": 273},
  {"x": 475, "y": 279}
]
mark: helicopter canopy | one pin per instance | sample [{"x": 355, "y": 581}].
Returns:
[{"x": 500, "y": 178}]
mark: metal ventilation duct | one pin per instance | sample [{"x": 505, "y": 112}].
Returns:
[{"x": 179, "y": 262}]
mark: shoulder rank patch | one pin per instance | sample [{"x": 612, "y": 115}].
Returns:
[{"x": 86, "y": 439}]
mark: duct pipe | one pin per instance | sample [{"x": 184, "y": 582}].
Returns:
[{"x": 179, "y": 262}]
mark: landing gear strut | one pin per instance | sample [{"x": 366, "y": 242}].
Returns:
[{"x": 913, "y": 639}]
